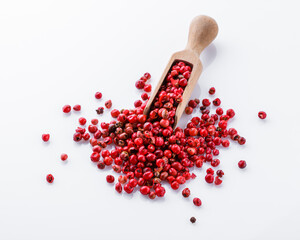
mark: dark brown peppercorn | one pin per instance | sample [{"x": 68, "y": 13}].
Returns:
[
  {"x": 100, "y": 110},
  {"x": 193, "y": 219}
]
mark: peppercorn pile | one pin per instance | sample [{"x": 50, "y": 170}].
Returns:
[{"x": 146, "y": 151}]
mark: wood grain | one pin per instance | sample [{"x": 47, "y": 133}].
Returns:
[{"x": 203, "y": 30}]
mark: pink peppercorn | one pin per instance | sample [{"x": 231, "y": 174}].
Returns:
[
  {"x": 63, "y": 157},
  {"x": 50, "y": 178},
  {"x": 46, "y": 137},
  {"x": 242, "y": 164},
  {"x": 118, "y": 187},
  {"x": 110, "y": 178},
  {"x": 262, "y": 115},
  {"x": 186, "y": 192},
  {"x": 218, "y": 181},
  {"x": 197, "y": 202},
  {"x": 98, "y": 95},
  {"x": 66, "y": 108},
  {"x": 212, "y": 91},
  {"x": 82, "y": 121},
  {"x": 77, "y": 107},
  {"x": 209, "y": 178}
]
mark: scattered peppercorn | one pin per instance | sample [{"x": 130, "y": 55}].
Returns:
[
  {"x": 212, "y": 91},
  {"x": 98, "y": 95},
  {"x": 242, "y": 164},
  {"x": 50, "y": 178},
  {"x": 262, "y": 115},
  {"x": 64, "y": 157},
  {"x": 77, "y": 108},
  {"x": 46, "y": 137},
  {"x": 66, "y": 108},
  {"x": 147, "y": 151},
  {"x": 193, "y": 219},
  {"x": 100, "y": 110}
]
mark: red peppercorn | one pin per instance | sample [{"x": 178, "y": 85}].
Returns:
[
  {"x": 77, "y": 137},
  {"x": 212, "y": 91},
  {"x": 100, "y": 110},
  {"x": 94, "y": 121},
  {"x": 222, "y": 124},
  {"x": 217, "y": 102},
  {"x": 110, "y": 178},
  {"x": 175, "y": 185},
  {"x": 209, "y": 178},
  {"x": 205, "y": 102},
  {"x": 66, "y": 108},
  {"x": 77, "y": 108},
  {"x": 262, "y": 115},
  {"x": 98, "y": 95},
  {"x": 132, "y": 182},
  {"x": 186, "y": 192},
  {"x": 225, "y": 143},
  {"x": 215, "y": 162},
  {"x": 95, "y": 157},
  {"x": 147, "y": 88},
  {"x": 145, "y": 190},
  {"x": 230, "y": 113},
  {"x": 197, "y": 202},
  {"x": 210, "y": 171},
  {"x": 50, "y": 178},
  {"x": 139, "y": 84},
  {"x": 118, "y": 187},
  {"x": 147, "y": 75},
  {"x": 108, "y": 104},
  {"x": 128, "y": 189},
  {"x": 219, "y": 111},
  {"x": 46, "y": 137},
  {"x": 63, "y": 157},
  {"x": 220, "y": 173},
  {"x": 188, "y": 110},
  {"x": 115, "y": 113},
  {"x": 160, "y": 191},
  {"x": 218, "y": 181},
  {"x": 192, "y": 104},
  {"x": 82, "y": 121},
  {"x": 242, "y": 164},
  {"x": 242, "y": 140},
  {"x": 144, "y": 96}
]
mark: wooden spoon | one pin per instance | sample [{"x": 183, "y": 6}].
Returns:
[{"x": 203, "y": 30}]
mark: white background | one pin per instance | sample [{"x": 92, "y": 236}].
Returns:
[{"x": 54, "y": 53}]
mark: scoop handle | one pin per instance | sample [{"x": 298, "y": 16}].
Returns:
[{"x": 203, "y": 30}]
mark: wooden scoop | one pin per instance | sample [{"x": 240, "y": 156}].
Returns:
[{"x": 203, "y": 30}]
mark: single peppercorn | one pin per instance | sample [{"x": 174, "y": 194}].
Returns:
[
  {"x": 66, "y": 108},
  {"x": 193, "y": 219},
  {"x": 186, "y": 192},
  {"x": 50, "y": 178},
  {"x": 98, "y": 95},
  {"x": 82, "y": 121},
  {"x": 77, "y": 107},
  {"x": 220, "y": 173},
  {"x": 197, "y": 202},
  {"x": 188, "y": 110},
  {"x": 108, "y": 104},
  {"x": 262, "y": 115},
  {"x": 209, "y": 178},
  {"x": 217, "y": 102},
  {"x": 242, "y": 164},
  {"x": 110, "y": 178},
  {"x": 46, "y": 137},
  {"x": 100, "y": 110},
  {"x": 64, "y": 157},
  {"x": 212, "y": 91}
]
